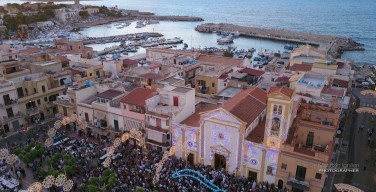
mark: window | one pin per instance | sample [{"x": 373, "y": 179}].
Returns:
[
  {"x": 213, "y": 84},
  {"x": 280, "y": 110},
  {"x": 125, "y": 106},
  {"x": 103, "y": 100},
  {"x": 300, "y": 173},
  {"x": 35, "y": 90},
  {"x": 167, "y": 122},
  {"x": 318, "y": 176},
  {"x": 38, "y": 101},
  {"x": 269, "y": 170},
  {"x": 10, "y": 112},
  {"x": 43, "y": 88},
  {"x": 275, "y": 126},
  {"x": 20, "y": 92},
  {"x": 10, "y": 57},
  {"x": 98, "y": 99},
  {"x": 45, "y": 99},
  {"x": 91, "y": 74},
  {"x": 277, "y": 109},
  {"x": 309, "y": 141},
  {"x": 284, "y": 166}
]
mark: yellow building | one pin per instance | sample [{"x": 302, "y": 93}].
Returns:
[{"x": 308, "y": 147}]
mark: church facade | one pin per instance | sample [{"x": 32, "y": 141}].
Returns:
[{"x": 243, "y": 136}]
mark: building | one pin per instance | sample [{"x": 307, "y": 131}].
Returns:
[
  {"x": 229, "y": 136},
  {"x": 173, "y": 104},
  {"x": 67, "y": 15},
  {"x": 92, "y": 10},
  {"x": 75, "y": 46},
  {"x": 7, "y": 53},
  {"x": 10, "y": 114},
  {"x": 308, "y": 147},
  {"x": 133, "y": 108}
]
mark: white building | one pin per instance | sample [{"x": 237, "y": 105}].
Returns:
[
  {"x": 172, "y": 105},
  {"x": 10, "y": 115}
]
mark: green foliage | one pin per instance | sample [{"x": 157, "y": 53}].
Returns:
[
  {"x": 12, "y": 23},
  {"x": 228, "y": 54},
  {"x": 31, "y": 152},
  {"x": 140, "y": 189},
  {"x": 83, "y": 14},
  {"x": 102, "y": 183}
]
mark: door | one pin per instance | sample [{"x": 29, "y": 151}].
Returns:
[
  {"x": 219, "y": 161},
  {"x": 6, "y": 128},
  {"x": 16, "y": 125},
  {"x": 309, "y": 141},
  {"x": 280, "y": 184},
  {"x": 190, "y": 159},
  {"x": 176, "y": 101},
  {"x": 6, "y": 99},
  {"x": 42, "y": 116},
  {"x": 158, "y": 122},
  {"x": 86, "y": 117},
  {"x": 252, "y": 175},
  {"x": 20, "y": 92},
  {"x": 97, "y": 74},
  {"x": 116, "y": 125},
  {"x": 65, "y": 111},
  {"x": 300, "y": 173}
]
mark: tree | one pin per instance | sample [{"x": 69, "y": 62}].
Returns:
[
  {"x": 228, "y": 54},
  {"x": 83, "y": 14}
]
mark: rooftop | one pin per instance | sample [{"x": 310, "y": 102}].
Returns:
[
  {"x": 229, "y": 92},
  {"x": 301, "y": 67},
  {"x": 282, "y": 90},
  {"x": 153, "y": 76},
  {"x": 194, "y": 120},
  {"x": 138, "y": 96},
  {"x": 172, "y": 80},
  {"x": 219, "y": 60},
  {"x": 257, "y": 134},
  {"x": 253, "y": 72},
  {"x": 312, "y": 80},
  {"x": 182, "y": 89},
  {"x": 282, "y": 79},
  {"x": 240, "y": 104},
  {"x": 109, "y": 94},
  {"x": 334, "y": 92}
]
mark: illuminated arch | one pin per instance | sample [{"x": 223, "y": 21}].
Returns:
[
  {"x": 366, "y": 110},
  {"x": 346, "y": 187},
  {"x": 368, "y": 92},
  {"x": 199, "y": 177}
]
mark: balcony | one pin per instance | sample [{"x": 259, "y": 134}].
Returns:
[
  {"x": 32, "y": 111},
  {"x": 6, "y": 86},
  {"x": 64, "y": 103},
  {"x": 203, "y": 89},
  {"x": 50, "y": 104},
  {"x": 317, "y": 152},
  {"x": 314, "y": 124},
  {"x": 38, "y": 95},
  {"x": 11, "y": 118},
  {"x": 115, "y": 104},
  {"x": 11, "y": 102},
  {"x": 159, "y": 129},
  {"x": 163, "y": 110},
  {"x": 295, "y": 183}
]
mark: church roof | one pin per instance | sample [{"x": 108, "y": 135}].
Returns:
[
  {"x": 194, "y": 120},
  {"x": 282, "y": 90},
  {"x": 247, "y": 105},
  {"x": 257, "y": 134}
]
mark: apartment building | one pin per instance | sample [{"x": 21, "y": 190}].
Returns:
[{"x": 173, "y": 104}]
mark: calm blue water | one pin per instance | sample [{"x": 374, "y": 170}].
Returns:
[{"x": 351, "y": 18}]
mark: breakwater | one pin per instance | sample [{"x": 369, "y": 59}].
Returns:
[{"x": 333, "y": 45}]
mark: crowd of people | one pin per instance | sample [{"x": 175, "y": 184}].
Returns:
[{"x": 136, "y": 166}]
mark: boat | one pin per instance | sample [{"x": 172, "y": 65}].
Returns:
[
  {"x": 235, "y": 33},
  {"x": 140, "y": 25},
  {"x": 225, "y": 40},
  {"x": 289, "y": 47},
  {"x": 185, "y": 45}
]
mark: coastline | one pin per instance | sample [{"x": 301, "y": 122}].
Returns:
[
  {"x": 140, "y": 17},
  {"x": 333, "y": 45}
]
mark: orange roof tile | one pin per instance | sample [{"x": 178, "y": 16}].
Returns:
[
  {"x": 257, "y": 134},
  {"x": 252, "y": 72},
  {"x": 219, "y": 60},
  {"x": 194, "y": 120},
  {"x": 301, "y": 67},
  {"x": 240, "y": 104},
  {"x": 341, "y": 83},
  {"x": 138, "y": 96},
  {"x": 282, "y": 90}
]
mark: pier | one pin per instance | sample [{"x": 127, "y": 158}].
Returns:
[
  {"x": 118, "y": 38},
  {"x": 333, "y": 45}
]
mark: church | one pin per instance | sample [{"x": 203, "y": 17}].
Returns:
[{"x": 244, "y": 135}]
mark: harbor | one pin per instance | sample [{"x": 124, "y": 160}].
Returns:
[{"x": 333, "y": 45}]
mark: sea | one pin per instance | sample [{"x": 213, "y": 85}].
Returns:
[{"x": 350, "y": 18}]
